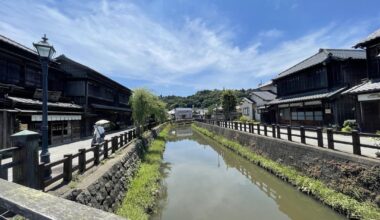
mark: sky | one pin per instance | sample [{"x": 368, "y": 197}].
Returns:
[{"x": 177, "y": 47}]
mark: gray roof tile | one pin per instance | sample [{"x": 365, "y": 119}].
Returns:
[
  {"x": 322, "y": 56},
  {"x": 315, "y": 96},
  {"x": 37, "y": 102},
  {"x": 371, "y": 37},
  {"x": 368, "y": 86},
  {"x": 264, "y": 95}
]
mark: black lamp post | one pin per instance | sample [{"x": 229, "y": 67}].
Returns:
[{"x": 45, "y": 53}]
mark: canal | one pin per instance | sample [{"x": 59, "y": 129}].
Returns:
[{"x": 204, "y": 180}]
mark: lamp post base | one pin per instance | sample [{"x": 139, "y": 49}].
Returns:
[{"x": 45, "y": 158}]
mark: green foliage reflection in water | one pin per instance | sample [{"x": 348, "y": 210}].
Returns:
[
  {"x": 141, "y": 196},
  {"x": 338, "y": 201}
]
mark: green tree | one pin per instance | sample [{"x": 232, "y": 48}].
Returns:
[
  {"x": 146, "y": 105},
  {"x": 228, "y": 103}
]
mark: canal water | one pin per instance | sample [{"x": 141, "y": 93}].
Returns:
[{"x": 204, "y": 180}]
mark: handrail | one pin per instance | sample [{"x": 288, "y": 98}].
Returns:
[{"x": 286, "y": 132}]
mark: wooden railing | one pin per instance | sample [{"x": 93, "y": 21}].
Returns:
[
  {"x": 11, "y": 163},
  {"x": 304, "y": 133},
  {"x": 85, "y": 157}
]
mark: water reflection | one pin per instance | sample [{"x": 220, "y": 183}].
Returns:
[{"x": 207, "y": 181}]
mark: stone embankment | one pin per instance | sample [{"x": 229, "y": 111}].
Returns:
[{"x": 105, "y": 187}]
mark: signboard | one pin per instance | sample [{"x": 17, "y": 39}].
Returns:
[
  {"x": 328, "y": 111},
  {"x": 369, "y": 97},
  {"x": 299, "y": 104},
  {"x": 318, "y": 102},
  {"x": 58, "y": 117}
]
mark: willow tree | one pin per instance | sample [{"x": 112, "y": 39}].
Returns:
[
  {"x": 146, "y": 105},
  {"x": 228, "y": 103}
]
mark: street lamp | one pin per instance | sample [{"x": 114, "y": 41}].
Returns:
[{"x": 45, "y": 52}]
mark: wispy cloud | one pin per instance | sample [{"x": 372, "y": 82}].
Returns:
[{"x": 119, "y": 39}]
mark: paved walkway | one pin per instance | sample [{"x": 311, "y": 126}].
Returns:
[{"x": 368, "y": 152}]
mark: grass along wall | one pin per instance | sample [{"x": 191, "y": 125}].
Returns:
[
  {"x": 316, "y": 188},
  {"x": 141, "y": 197}
]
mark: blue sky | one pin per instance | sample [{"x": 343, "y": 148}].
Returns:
[{"x": 181, "y": 46}]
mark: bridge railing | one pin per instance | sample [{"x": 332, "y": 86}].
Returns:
[
  {"x": 305, "y": 134},
  {"x": 85, "y": 158}
]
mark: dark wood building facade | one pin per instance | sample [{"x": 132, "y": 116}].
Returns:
[
  {"x": 20, "y": 96},
  {"x": 367, "y": 94},
  {"x": 100, "y": 97},
  {"x": 310, "y": 93}
]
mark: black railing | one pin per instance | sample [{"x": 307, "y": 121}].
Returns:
[{"x": 288, "y": 132}]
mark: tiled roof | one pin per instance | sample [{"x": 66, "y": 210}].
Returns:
[
  {"x": 371, "y": 37},
  {"x": 265, "y": 84},
  {"x": 368, "y": 86},
  {"x": 264, "y": 95},
  {"x": 315, "y": 96},
  {"x": 37, "y": 102},
  {"x": 322, "y": 56},
  {"x": 14, "y": 43},
  {"x": 249, "y": 99}
]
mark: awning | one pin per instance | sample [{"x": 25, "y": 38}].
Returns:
[
  {"x": 315, "y": 96},
  {"x": 114, "y": 108},
  {"x": 39, "y": 103},
  {"x": 369, "y": 86}
]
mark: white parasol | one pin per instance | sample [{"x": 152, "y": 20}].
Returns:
[{"x": 102, "y": 122}]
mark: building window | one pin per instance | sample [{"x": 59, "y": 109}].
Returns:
[
  {"x": 294, "y": 115},
  {"x": 318, "y": 116},
  {"x": 309, "y": 116},
  {"x": 32, "y": 78},
  {"x": 300, "y": 115}
]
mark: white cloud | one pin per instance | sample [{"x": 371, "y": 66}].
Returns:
[{"x": 119, "y": 39}]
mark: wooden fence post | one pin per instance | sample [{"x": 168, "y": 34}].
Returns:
[
  {"x": 289, "y": 131},
  {"x": 236, "y": 125},
  {"x": 105, "y": 149},
  {"x": 245, "y": 126},
  {"x": 3, "y": 172},
  {"x": 319, "y": 137},
  {"x": 113, "y": 144},
  {"x": 241, "y": 126},
  {"x": 330, "y": 138},
  {"x": 302, "y": 134},
  {"x": 265, "y": 130},
  {"x": 82, "y": 160},
  {"x": 356, "y": 142},
  {"x": 27, "y": 173},
  {"x": 278, "y": 132},
  {"x": 258, "y": 128},
  {"x": 68, "y": 168},
  {"x": 252, "y": 128},
  {"x": 121, "y": 140},
  {"x": 274, "y": 130},
  {"x": 96, "y": 154}
]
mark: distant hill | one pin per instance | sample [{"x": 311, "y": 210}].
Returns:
[{"x": 201, "y": 99}]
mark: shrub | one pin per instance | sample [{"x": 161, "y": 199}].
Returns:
[
  {"x": 243, "y": 119},
  {"x": 350, "y": 123},
  {"x": 347, "y": 129}
]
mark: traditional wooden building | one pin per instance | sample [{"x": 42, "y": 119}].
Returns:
[
  {"x": 99, "y": 96},
  {"x": 21, "y": 95},
  {"x": 367, "y": 94},
  {"x": 310, "y": 92}
]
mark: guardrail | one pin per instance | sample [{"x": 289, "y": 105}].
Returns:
[
  {"x": 287, "y": 133},
  {"x": 10, "y": 152},
  {"x": 94, "y": 155}
]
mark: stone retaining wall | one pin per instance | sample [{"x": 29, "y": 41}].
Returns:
[
  {"x": 106, "y": 187},
  {"x": 354, "y": 175}
]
